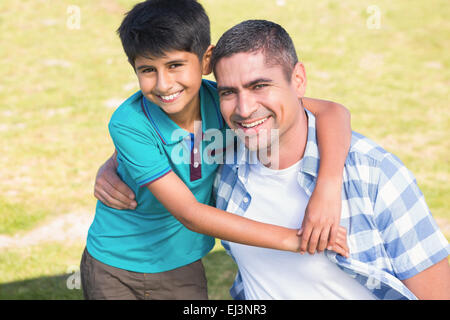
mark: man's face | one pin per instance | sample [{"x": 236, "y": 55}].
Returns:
[
  {"x": 256, "y": 97},
  {"x": 172, "y": 81}
]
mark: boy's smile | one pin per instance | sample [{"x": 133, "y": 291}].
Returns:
[{"x": 172, "y": 82}]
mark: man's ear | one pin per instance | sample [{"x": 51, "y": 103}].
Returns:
[
  {"x": 206, "y": 61},
  {"x": 298, "y": 79}
]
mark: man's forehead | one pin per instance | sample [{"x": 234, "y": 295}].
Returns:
[{"x": 244, "y": 65}]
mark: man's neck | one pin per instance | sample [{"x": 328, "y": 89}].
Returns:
[{"x": 291, "y": 146}]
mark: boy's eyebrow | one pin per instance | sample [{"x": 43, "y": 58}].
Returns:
[
  {"x": 143, "y": 67},
  {"x": 246, "y": 85},
  {"x": 167, "y": 63}
]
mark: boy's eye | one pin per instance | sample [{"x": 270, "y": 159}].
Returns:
[
  {"x": 175, "y": 65},
  {"x": 147, "y": 70}
]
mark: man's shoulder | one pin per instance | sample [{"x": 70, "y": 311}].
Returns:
[{"x": 366, "y": 153}]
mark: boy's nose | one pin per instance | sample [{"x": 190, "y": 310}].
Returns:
[{"x": 164, "y": 83}]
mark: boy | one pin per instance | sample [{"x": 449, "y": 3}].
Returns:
[{"x": 154, "y": 250}]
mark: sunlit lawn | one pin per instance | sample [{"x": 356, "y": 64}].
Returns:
[{"x": 60, "y": 86}]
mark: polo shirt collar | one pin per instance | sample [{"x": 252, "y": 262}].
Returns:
[{"x": 169, "y": 132}]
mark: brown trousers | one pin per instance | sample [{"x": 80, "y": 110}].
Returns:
[{"x": 104, "y": 282}]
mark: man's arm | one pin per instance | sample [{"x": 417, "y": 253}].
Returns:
[
  {"x": 323, "y": 213},
  {"x": 432, "y": 283},
  {"x": 110, "y": 189},
  {"x": 416, "y": 247}
]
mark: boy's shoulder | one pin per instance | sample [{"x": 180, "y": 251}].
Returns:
[{"x": 129, "y": 111}]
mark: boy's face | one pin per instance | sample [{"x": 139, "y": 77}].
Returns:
[
  {"x": 172, "y": 81},
  {"x": 256, "y": 97}
]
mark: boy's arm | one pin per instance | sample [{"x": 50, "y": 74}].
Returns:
[
  {"x": 323, "y": 213},
  {"x": 110, "y": 189},
  {"x": 176, "y": 197}
]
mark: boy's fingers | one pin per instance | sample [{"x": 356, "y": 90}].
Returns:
[
  {"x": 306, "y": 233},
  {"x": 341, "y": 240},
  {"x": 333, "y": 235},
  {"x": 323, "y": 240},
  {"x": 340, "y": 250},
  {"x": 314, "y": 240}
]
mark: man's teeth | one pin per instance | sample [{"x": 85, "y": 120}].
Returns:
[
  {"x": 172, "y": 96},
  {"x": 252, "y": 124}
]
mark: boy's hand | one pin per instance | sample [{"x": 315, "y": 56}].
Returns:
[
  {"x": 111, "y": 190},
  {"x": 322, "y": 216},
  {"x": 340, "y": 246}
]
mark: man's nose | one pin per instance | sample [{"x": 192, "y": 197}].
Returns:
[{"x": 246, "y": 105}]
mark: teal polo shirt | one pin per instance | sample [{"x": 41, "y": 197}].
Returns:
[{"x": 149, "y": 145}]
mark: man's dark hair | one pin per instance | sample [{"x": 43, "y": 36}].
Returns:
[
  {"x": 258, "y": 35},
  {"x": 155, "y": 27}
]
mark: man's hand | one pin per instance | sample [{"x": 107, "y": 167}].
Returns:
[
  {"x": 320, "y": 225},
  {"x": 110, "y": 189}
]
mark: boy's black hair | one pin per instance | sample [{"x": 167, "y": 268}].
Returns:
[
  {"x": 258, "y": 35},
  {"x": 155, "y": 27}
]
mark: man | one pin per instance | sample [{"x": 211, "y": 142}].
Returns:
[{"x": 396, "y": 248}]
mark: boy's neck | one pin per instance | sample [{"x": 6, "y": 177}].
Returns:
[{"x": 185, "y": 118}]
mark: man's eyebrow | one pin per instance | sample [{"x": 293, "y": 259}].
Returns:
[
  {"x": 256, "y": 81},
  {"x": 246, "y": 85}
]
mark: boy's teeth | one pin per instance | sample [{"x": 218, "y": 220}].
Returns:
[
  {"x": 253, "y": 124},
  {"x": 170, "y": 97}
]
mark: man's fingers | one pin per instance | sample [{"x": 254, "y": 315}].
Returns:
[
  {"x": 112, "y": 202},
  {"x": 116, "y": 183}
]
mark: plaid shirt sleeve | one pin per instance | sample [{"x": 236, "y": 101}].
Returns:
[{"x": 412, "y": 238}]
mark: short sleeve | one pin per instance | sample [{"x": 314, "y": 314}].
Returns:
[
  {"x": 411, "y": 236},
  {"x": 143, "y": 159}
]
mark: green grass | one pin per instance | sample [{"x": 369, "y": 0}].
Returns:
[{"x": 59, "y": 88}]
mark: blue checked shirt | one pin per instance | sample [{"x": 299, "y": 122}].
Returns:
[{"x": 391, "y": 233}]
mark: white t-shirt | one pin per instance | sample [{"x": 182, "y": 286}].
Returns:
[{"x": 277, "y": 198}]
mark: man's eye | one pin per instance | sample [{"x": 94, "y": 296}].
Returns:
[
  {"x": 175, "y": 65},
  {"x": 260, "y": 86},
  {"x": 225, "y": 93}
]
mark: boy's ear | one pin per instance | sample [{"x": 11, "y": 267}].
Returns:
[
  {"x": 298, "y": 79},
  {"x": 206, "y": 61}
]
